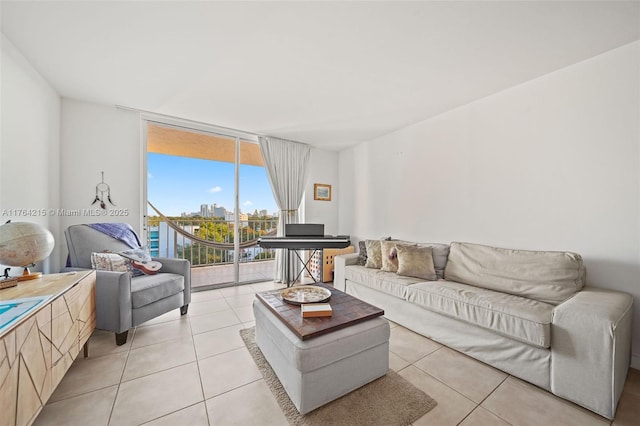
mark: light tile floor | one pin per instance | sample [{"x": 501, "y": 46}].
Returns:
[{"x": 195, "y": 370}]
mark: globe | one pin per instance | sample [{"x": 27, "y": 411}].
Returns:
[{"x": 23, "y": 244}]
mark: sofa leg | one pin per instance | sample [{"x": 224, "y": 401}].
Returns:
[
  {"x": 184, "y": 309},
  {"x": 121, "y": 338}
]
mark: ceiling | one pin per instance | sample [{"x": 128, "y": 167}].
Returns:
[{"x": 331, "y": 74}]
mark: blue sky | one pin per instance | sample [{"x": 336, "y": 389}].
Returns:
[{"x": 179, "y": 184}]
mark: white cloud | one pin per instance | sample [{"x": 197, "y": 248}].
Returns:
[
  {"x": 215, "y": 189},
  {"x": 149, "y": 175},
  {"x": 247, "y": 203}
]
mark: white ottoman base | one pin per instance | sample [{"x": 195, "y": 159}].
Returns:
[{"x": 321, "y": 369}]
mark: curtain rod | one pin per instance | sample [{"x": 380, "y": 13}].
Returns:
[
  {"x": 186, "y": 120},
  {"x": 235, "y": 132}
]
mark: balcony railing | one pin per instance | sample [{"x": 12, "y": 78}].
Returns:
[{"x": 164, "y": 241}]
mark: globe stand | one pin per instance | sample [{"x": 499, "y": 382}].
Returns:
[{"x": 28, "y": 275}]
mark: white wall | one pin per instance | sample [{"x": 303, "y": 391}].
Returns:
[
  {"x": 323, "y": 169},
  {"x": 551, "y": 164},
  {"x": 52, "y": 153},
  {"x": 29, "y": 148},
  {"x": 98, "y": 138}
]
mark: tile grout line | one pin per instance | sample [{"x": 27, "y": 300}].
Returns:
[
  {"x": 173, "y": 412},
  {"x": 124, "y": 367},
  {"x": 191, "y": 335},
  {"x": 442, "y": 383},
  {"x": 484, "y": 399},
  {"x": 198, "y": 361},
  {"x": 204, "y": 401},
  {"x": 169, "y": 368}
]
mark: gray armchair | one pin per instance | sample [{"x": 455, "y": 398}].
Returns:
[{"x": 122, "y": 301}]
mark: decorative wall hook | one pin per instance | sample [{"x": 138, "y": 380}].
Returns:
[{"x": 101, "y": 189}]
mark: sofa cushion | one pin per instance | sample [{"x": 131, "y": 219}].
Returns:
[
  {"x": 547, "y": 276},
  {"x": 386, "y": 282},
  {"x": 151, "y": 288},
  {"x": 440, "y": 254},
  {"x": 416, "y": 262},
  {"x": 519, "y": 318}
]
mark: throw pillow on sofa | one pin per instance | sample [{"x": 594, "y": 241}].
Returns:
[
  {"x": 440, "y": 254},
  {"x": 390, "y": 254},
  {"x": 374, "y": 254},
  {"x": 416, "y": 262},
  {"x": 362, "y": 253}
]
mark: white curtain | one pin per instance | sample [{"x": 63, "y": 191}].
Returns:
[{"x": 287, "y": 165}]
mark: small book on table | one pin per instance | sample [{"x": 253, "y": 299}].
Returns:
[{"x": 310, "y": 310}]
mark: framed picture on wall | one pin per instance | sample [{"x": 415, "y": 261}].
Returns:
[{"x": 322, "y": 191}]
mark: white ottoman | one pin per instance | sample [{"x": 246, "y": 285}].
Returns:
[{"x": 321, "y": 369}]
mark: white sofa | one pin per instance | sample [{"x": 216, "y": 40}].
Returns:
[{"x": 527, "y": 313}]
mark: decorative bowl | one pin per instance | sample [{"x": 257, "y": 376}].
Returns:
[{"x": 305, "y": 294}]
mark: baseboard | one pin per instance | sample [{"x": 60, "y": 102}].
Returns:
[{"x": 635, "y": 361}]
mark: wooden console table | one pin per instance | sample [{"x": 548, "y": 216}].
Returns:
[{"x": 38, "y": 349}]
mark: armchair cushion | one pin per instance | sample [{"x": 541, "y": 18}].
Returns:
[{"x": 151, "y": 288}]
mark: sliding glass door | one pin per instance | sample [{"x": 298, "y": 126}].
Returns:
[{"x": 209, "y": 200}]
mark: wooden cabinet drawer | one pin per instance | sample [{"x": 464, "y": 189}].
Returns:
[{"x": 38, "y": 350}]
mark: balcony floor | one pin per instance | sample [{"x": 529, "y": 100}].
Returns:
[{"x": 204, "y": 276}]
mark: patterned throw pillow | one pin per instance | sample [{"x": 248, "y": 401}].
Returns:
[
  {"x": 374, "y": 254},
  {"x": 362, "y": 253},
  {"x": 416, "y": 262},
  {"x": 390, "y": 254},
  {"x": 110, "y": 262}
]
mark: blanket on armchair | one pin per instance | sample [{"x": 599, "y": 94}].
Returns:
[{"x": 120, "y": 231}]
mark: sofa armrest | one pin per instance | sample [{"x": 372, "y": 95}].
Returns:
[
  {"x": 180, "y": 267},
  {"x": 591, "y": 348},
  {"x": 339, "y": 263}
]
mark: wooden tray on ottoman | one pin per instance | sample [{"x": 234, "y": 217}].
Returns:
[{"x": 347, "y": 310}]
